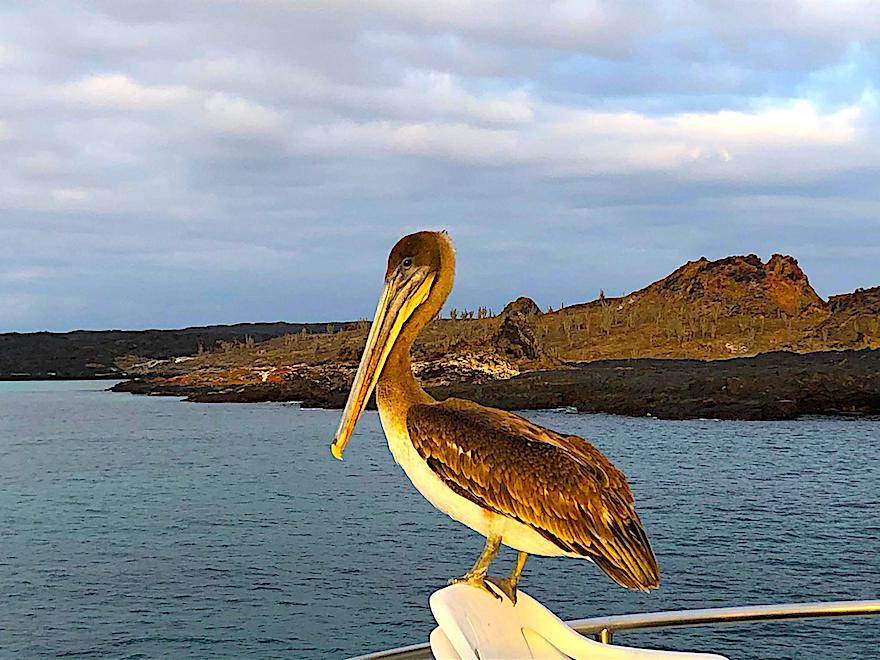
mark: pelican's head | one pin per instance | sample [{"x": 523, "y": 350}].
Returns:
[{"x": 419, "y": 277}]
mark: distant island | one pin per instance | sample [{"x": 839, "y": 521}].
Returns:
[
  {"x": 90, "y": 354},
  {"x": 733, "y": 338}
]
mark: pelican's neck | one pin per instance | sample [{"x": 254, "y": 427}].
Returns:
[{"x": 398, "y": 388}]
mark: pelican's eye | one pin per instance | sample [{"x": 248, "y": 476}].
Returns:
[{"x": 406, "y": 263}]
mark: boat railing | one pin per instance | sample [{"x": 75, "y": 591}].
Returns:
[{"x": 603, "y": 628}]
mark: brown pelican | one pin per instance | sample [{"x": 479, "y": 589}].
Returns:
[{"x": 514, "y": 482}]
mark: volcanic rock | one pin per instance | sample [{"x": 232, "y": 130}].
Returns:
[
  {"x": 516, "y": 340},
  {"x": 522, "y": 307}
]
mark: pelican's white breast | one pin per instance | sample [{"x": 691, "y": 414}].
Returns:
[{"x": 513, "y": 533}]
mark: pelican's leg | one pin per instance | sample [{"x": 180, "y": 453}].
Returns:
[
  {"x": 508, "y": 584},
  {"x": 477, "y": 575}
]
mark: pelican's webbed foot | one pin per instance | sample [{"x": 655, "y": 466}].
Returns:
[
  {"x": 505, "y": 585},
  {"x": 508, "y": 585},
  {"x": 478, "y": 581}
]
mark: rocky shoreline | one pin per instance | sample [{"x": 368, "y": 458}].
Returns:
[{"x": 770, "y": 386}]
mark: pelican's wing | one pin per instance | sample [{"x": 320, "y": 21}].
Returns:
[{"x": 561, "y": 486}]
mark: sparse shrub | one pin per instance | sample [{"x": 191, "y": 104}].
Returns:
[{"x": 606, "y": 317}]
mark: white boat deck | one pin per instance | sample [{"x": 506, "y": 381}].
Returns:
[{"x": 603, "y": 629}]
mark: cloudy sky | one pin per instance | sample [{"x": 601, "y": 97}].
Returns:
[{"x": 172, "y": 163}]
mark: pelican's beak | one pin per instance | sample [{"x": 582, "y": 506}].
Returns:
[{"x": 403, "y": 292}]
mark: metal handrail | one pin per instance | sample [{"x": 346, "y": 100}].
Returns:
[{"x": 604, "y": 627}]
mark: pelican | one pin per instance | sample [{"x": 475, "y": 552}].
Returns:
[{"x": 516, "y": 483}]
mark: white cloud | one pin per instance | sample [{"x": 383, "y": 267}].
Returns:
[
  {"x": 72, "y": 195},
  {"x": 567, "y": 141},
  {"x": 233, "y": 115},
  {"x": 120, "y": 92},
  {"x": 440, "y": 92},
  {"x": 454, "y": 142},
  {"x": 798, "y": 122},
  {"x": 630, "y": 141},
  {"x": 418, "y": 93},
  {"x": 5, "y": 132},
  {"x": 7, "y": 54}
]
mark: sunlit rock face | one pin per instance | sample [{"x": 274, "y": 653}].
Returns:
[
  {"x": 473, "y": 366},
  {"x": 740, "y": 284},
  {"x": 521, "y": 307}
]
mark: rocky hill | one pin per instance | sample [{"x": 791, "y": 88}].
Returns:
[
  {"x": 736, "y": 306},
  {"x": 705, "y": 310},
  {"x": 853, "y": 319},
  {"x": 737, "y": 285}
]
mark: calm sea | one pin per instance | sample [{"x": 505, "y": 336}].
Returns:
[{"x": 138, "y": 527}]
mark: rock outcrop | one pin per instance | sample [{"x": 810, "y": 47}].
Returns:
[
  {"x": 729, "y": 308},
  {"x": 522, "y": 307},
  {"x": 854, "y": 319},
  {"x": 515, "y": 339},
  {"x": 769, "y": 386},
  {"x": 738, "y": 285}
]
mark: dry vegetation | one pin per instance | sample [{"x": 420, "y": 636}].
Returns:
[{"x": 737, "y": 306}]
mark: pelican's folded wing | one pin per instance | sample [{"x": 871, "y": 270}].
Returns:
[{"x": 561, "y": 486}]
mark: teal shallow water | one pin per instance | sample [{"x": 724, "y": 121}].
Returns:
[{"x": 145, "y": 527}]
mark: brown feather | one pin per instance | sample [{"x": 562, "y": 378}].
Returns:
[{"x": 561, "y": 486}]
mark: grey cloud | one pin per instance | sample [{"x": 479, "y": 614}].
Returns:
[{"x": 170, "y": 164}]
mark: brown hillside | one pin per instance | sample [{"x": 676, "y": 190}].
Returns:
[
  {"x": 737, "y": 306},
  {"x": 854, "y": 319},
  {"x": 740, "y": 285},
  {"x": 705, "y": 309},
  {"x": 736, "y": 285}
]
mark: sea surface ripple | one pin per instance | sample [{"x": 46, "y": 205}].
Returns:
[{"x": 140, "y": 527}]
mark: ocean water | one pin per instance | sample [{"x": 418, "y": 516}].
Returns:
[{"x": 135, "y": 527}]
